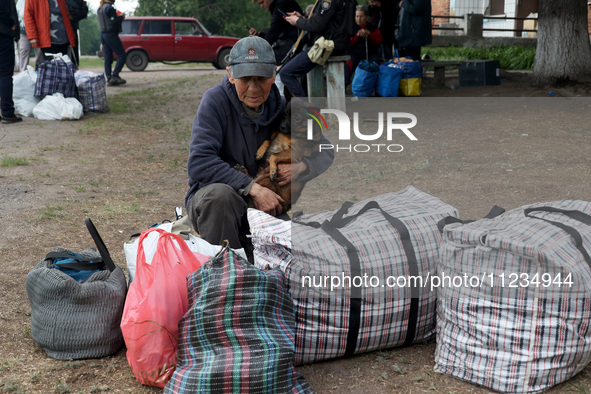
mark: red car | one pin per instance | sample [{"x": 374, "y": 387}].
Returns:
[{"x": 175, "y": 39}]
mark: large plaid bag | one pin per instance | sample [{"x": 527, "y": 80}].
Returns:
[
  {"x": 238, "y": 335},
  {"x": 92, "y": 91},
  {"x": 387, "y": 246},
  {"x": 56, "y": 76},
  {"x": 520, "y": 321}
]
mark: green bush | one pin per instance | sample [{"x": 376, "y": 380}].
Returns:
[{"x": 511, "y": 58}]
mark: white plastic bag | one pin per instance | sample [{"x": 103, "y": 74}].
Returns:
[
  {"x": 58, "y": 107},
  {"x": 196, "y": 244},
  {"x": 23, "y": 92}
]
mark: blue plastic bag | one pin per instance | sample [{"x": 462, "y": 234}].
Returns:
[
  {"x": 365, "y": 79},
  {"x": 75, "y": 265},
  {"x": 389, "y": 79}
]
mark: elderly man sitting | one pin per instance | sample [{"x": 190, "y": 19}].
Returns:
[{"x": 233, "y": 120}]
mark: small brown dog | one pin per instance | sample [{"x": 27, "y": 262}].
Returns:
[{"x": 288, "y": 145}]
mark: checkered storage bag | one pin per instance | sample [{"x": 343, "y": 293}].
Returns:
[
  {"x": 238, "y": 335},
  {"x": 92, "y": 91},
  {"x": 521, "y": 320},
  {"x": 394, "y": 235},
  {"x": 56, "y": 76}
]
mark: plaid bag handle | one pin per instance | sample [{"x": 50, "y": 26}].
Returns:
[
  {"x": 573, "y": 214},
  {"x": 102, "y": 248},
  {"x": 331, "y": 227},
  {"x": 493, "y": 213}
]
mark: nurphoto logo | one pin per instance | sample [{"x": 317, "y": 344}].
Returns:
[{"x": 389, "y": 123}]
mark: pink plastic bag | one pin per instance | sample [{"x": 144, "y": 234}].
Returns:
[{"x": 156, "y": 301}]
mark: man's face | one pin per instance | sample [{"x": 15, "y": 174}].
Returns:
[
  {"x": 252, "y": 91},
  {"x": 360, "y": 18},
  {"x": 375, "y": 3},
  {"x": 264, "y": 4}
]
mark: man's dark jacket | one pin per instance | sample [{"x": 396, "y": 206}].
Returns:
[
  {"x": 415, "y": 23},
  {"x": 9, "y": 18},
  {"x": 223, "y": 136}
]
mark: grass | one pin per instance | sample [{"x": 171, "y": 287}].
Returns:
[
  {"x": 511, "y": 58},
  {"x": 91, "y": 62},
  {"x": 13, "y": 161}
]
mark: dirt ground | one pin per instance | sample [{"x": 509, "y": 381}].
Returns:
[{"x": 507, "y": 145}]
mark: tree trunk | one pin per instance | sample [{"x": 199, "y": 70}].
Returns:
[{"x": 563, "y": 53}]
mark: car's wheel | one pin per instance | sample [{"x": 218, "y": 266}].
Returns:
[
  {"x": 222, "y": 59},
  {"x": 137, "y": 60}
]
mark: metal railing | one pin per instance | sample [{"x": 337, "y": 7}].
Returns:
[{"x": 435, "y": 26}]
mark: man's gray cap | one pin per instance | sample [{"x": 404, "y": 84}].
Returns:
[{"x": 252, "y": 57}]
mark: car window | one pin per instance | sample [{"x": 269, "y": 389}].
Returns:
[
  {"x": 157, "y": 27},
  {"x": 130, "y": 27},
  {"x": 187, "y": 29}
]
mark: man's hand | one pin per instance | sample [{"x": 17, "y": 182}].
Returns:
[
  {"x": 34, "y": 42},
  {"x": 254, "y": 32},
  {"x": 265, "y": 200},
  {"x": 292, "y": 17},
  {"x": 287, "y": 172}
]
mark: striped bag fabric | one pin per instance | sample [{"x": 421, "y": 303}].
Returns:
[
  {"x": 387, "y": 246},
  {"x": 92, "y": 91},
  {"x": 514, "y": 303},
  {"x": 238, "y": 335},
  {"x": 56, "y": 76}
]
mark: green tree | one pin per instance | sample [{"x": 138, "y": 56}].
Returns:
[
  {"x": 227, "y": 17},
  {"x": 90, "y": 35}
]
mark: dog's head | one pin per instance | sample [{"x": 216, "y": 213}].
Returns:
[{"x": 295, "y": 122}]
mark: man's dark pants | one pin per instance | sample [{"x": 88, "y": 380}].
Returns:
[
  {"x": 299, "y": 66},
  {"x": 112, "y": 43},
  {"x": 218, "y": 213},
  {"x": 6, "y": 71}
]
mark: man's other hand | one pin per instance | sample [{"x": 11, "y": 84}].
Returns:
[{"x": 265, "y": 200}]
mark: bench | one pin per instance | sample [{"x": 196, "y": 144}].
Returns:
[
  {"x": 438, "y": 68},
  {"x": 334, "y": 88}
]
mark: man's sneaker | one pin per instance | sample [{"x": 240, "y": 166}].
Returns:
[
  {"x": 11, "y": 119},
  {"x": 114, "y": 81}
]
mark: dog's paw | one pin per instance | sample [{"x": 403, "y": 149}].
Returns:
[{"x": 273, "y": 175}]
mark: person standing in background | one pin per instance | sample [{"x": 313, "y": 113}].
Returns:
[
  {"x": 78, "y": 10},
  {"x": 110, "y": 22},
  {"x": 383, "y": 15},
  {"x": 281, "y": 35},
  {"x": 415, "y": 27},
  {"x": 9, "y": 34},
  {"x": 24, "y": 46},
  {"x": 48, "y": 26}
]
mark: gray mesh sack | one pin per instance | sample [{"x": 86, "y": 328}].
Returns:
[{"x": 72, "y": 320}]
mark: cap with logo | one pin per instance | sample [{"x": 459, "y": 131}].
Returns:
[{"x": 252, "y": 57}]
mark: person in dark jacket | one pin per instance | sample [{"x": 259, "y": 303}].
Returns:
[
  {"x": 232, "y": 121},
  {"x": 78, "y": 10},
  {"x": 383, "y": 14},
  {"x": 110, "y": 23},
  {"x": 281, "y": 35},
  {"x": 9, "y": 34},
  {"x": 415, "y": 27},
  {"x": 328, "y": 21}
]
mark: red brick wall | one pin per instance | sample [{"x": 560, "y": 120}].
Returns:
[{"x": 440, "y": 7}]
